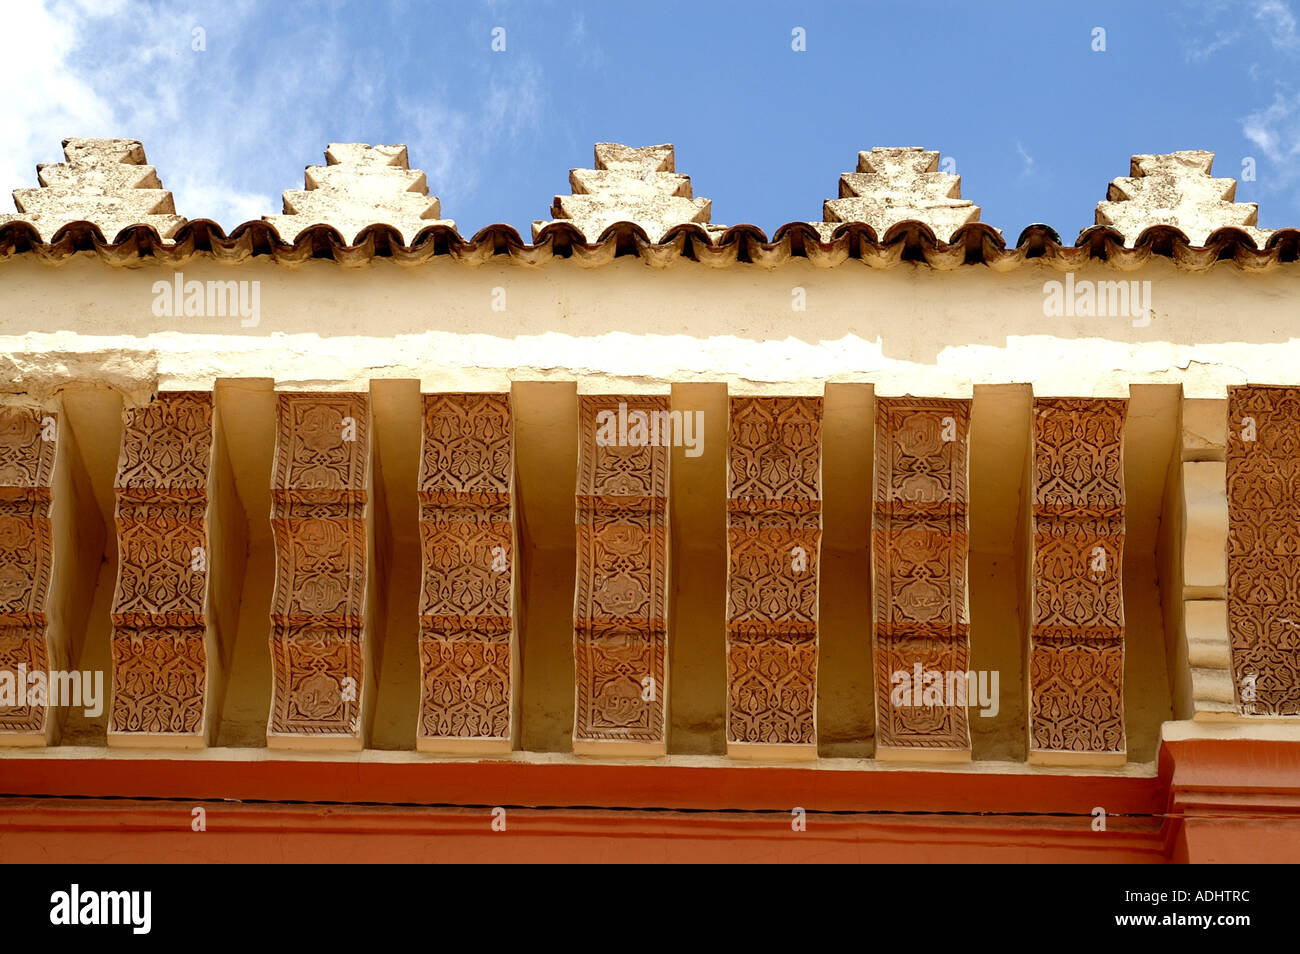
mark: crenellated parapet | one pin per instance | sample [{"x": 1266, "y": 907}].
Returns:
[{"x": 108, "y": 183}]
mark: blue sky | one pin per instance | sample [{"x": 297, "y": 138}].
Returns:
[{"x": 1036, "y": 121}]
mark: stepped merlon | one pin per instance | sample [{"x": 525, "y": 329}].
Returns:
[
  {"x": 639, "y": 185},
  {"x": 103, "y": 181},
  {"x": 362, "y": 185},
  {"x": 899, "y": 184},
  {"x": 1177, "y": 189}
]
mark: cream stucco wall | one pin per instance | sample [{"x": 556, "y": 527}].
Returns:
[{"x": 625, "y": 325}]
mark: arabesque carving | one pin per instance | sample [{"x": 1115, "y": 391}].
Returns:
[
  {"x": 467, "y": 635},
  {"x": 919, "y": 547},
  {"x": 1076, "y": 652},
  {"x": 1263, "y": 475},
  {"x": 160, "y": 632},
  {"x": 774, "y": 531},
  {"x": 621, "y": 600},
  {"x": 318, "y": 518},
  {"x": 27, "y": 453}
]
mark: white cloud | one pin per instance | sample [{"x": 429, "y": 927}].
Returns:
[
  {"x": 1275, "y": 131},
  {"x": 1273, "y": 19},
  {"x": 452, "y": 145},
  {"x": 105, "y": 70},
  {"x": 1222, "y": 39},
  {"x": 230, "y": 127},
  {"x": 589, "y": 54},
  {"x": 1026, "y": 160},
  {"x": 1279, "y": 23},
  {"x": 55, "y": 101}
]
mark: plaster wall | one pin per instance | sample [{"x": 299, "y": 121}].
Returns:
[{"x": 625, "y": 325}]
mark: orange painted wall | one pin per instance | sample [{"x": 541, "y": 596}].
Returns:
[{"x": 1212, "y": 801}]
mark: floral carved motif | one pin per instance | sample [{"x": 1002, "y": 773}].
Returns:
[
  {"x": 621, "y": 596},
  {"x": 1263, "y": 584},
  {"x": 27, "y": 449},
  {"x": 1076, "y": 652},
  {"x": 919, "y": 549},
  {"x": 467, "y": 543},
  {"x": 318, "y": 518},
  {"x": 773, "y": 561},
  {"x": 160, "y": 664}
]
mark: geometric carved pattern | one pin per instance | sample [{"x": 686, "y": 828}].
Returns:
[
  {"x": 160, "y": 658},
  {"x": 1263, "y": 475},
  {"x": 467, "y": 543},
  {"x": 621, "y": 592},
  {"x": 919, "y": 547},
  {"x": 1076, "y": 654},
  {"x": 26, "y": 553},
  {"x": 774, "y": 529},
  {"x": 318, "y": 519}
]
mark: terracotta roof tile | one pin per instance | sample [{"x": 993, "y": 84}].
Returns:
[
  {"x": 633, "y": 203},
  {"x": 904, "y": 242}
]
